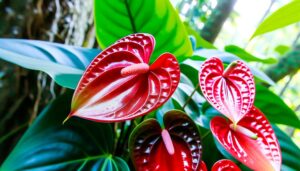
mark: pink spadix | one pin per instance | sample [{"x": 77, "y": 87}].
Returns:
[
  {"x": 140, "y": 68},
  {"x": 243, "y": 131},
  {"x": 167, "y": 141}
]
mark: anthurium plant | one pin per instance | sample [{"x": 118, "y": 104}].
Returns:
[{"x": 148, "y": 101}]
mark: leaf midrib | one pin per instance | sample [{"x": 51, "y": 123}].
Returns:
[{"x": 130, "y": 16}]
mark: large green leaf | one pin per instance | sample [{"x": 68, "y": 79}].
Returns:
[
  {"x": 65, "y": 64},
  {"x": 289, "y": 151},
  {"x": 274, "y": 107},
  {"x": 77, "y": 145},
  {"x": 246, "y": 56},
  {"x": 115, "y": 19},
  {"x": 284, "y": 16}
]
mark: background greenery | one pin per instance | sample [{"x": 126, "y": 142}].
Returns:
[{"x": 221, "y": 28}]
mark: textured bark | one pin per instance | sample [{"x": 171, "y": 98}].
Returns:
[
  {"x": 215, "y": 22},
  {"x": 24, "y": 93},
  {"x": 288, "y": 64}
]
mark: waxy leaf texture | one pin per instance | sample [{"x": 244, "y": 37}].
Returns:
[
  {"x": 263, "y": 152},
  {"x": 119, "y": 84},
  {"x": 231, "y": 91},
  {"x": 149, "y": 152}
]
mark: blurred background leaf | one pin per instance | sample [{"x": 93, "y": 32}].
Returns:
[
  {"x": 275, "y": 108},
  {"x": 246, "y": 56},
  {"x": 284, "y": 16}
]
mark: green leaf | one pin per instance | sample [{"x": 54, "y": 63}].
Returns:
[
  {"x": 225, "y": 57},
  {"x": 246, "y": 56},
  {"x": 274, "y": 107},
  {"x": 208, "y": 113},
  {"x": 115, "y": 19},
  {"x": 181, "y": 98},
  {"x": 77, "y": 145},
  {"x": 284, "y": 16},
  {"x": 200, "y": 42},
  {"x": 282, "y": 49},
  {"x": 289, "y": 150},
  {"x": 195, "y": 102},
  {"x": 190, "y": 67},
  {"x": 65, "y": 64},
  {"x": 210, "y": 153}
]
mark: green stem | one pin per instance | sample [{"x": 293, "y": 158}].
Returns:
[
  {"x": 12, "y": 132},
  {"x": 142, "y": 118},
  {"x": 126, "y": 137},
  {"x": 205, "y": 135},
  {"x": 190, "y": 97},
  {"x": 119, "y": 141}
]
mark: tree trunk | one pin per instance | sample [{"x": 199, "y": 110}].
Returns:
[
  {"x": 22, "y": 91},
  {"x": 216, "y": 20},
  {"x": 288, "y": 64}
]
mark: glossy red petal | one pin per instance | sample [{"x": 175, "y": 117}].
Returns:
[
  {"x": 180, "y": 125},
  {"x": 148, "y": 150},
  {"x": 231, "y": 91},
  {"x": 262, "y": 153},
  {"x": 225, "y": 165},
  {"x": 107, "y": 93},
  {"x": 202, "y": 166},
  {"x": 146, "y": 40}
]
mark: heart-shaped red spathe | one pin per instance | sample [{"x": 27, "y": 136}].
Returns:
[
  {"x": 149, "y": 152},
  {"x": 261, "y": 153},
  {"x": 225, "y": 165},
  {"x": 106, "y": 94},
  {"x": 231, "y": 91}
]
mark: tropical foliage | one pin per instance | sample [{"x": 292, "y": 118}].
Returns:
[{"x": 153, "y": 98}]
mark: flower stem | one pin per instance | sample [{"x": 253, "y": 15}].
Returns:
[{"x": 190, "y": 97}]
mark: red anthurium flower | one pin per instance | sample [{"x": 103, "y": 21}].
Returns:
[
  {"x": 202, "y": 166},
  {"x": 225, "y": 165},
  {"x": 119, "y": 84},
  {"x": 177, "y": 147},
  {"x": 252, "y": 141},
  {"x": 231, "y": 91}
]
